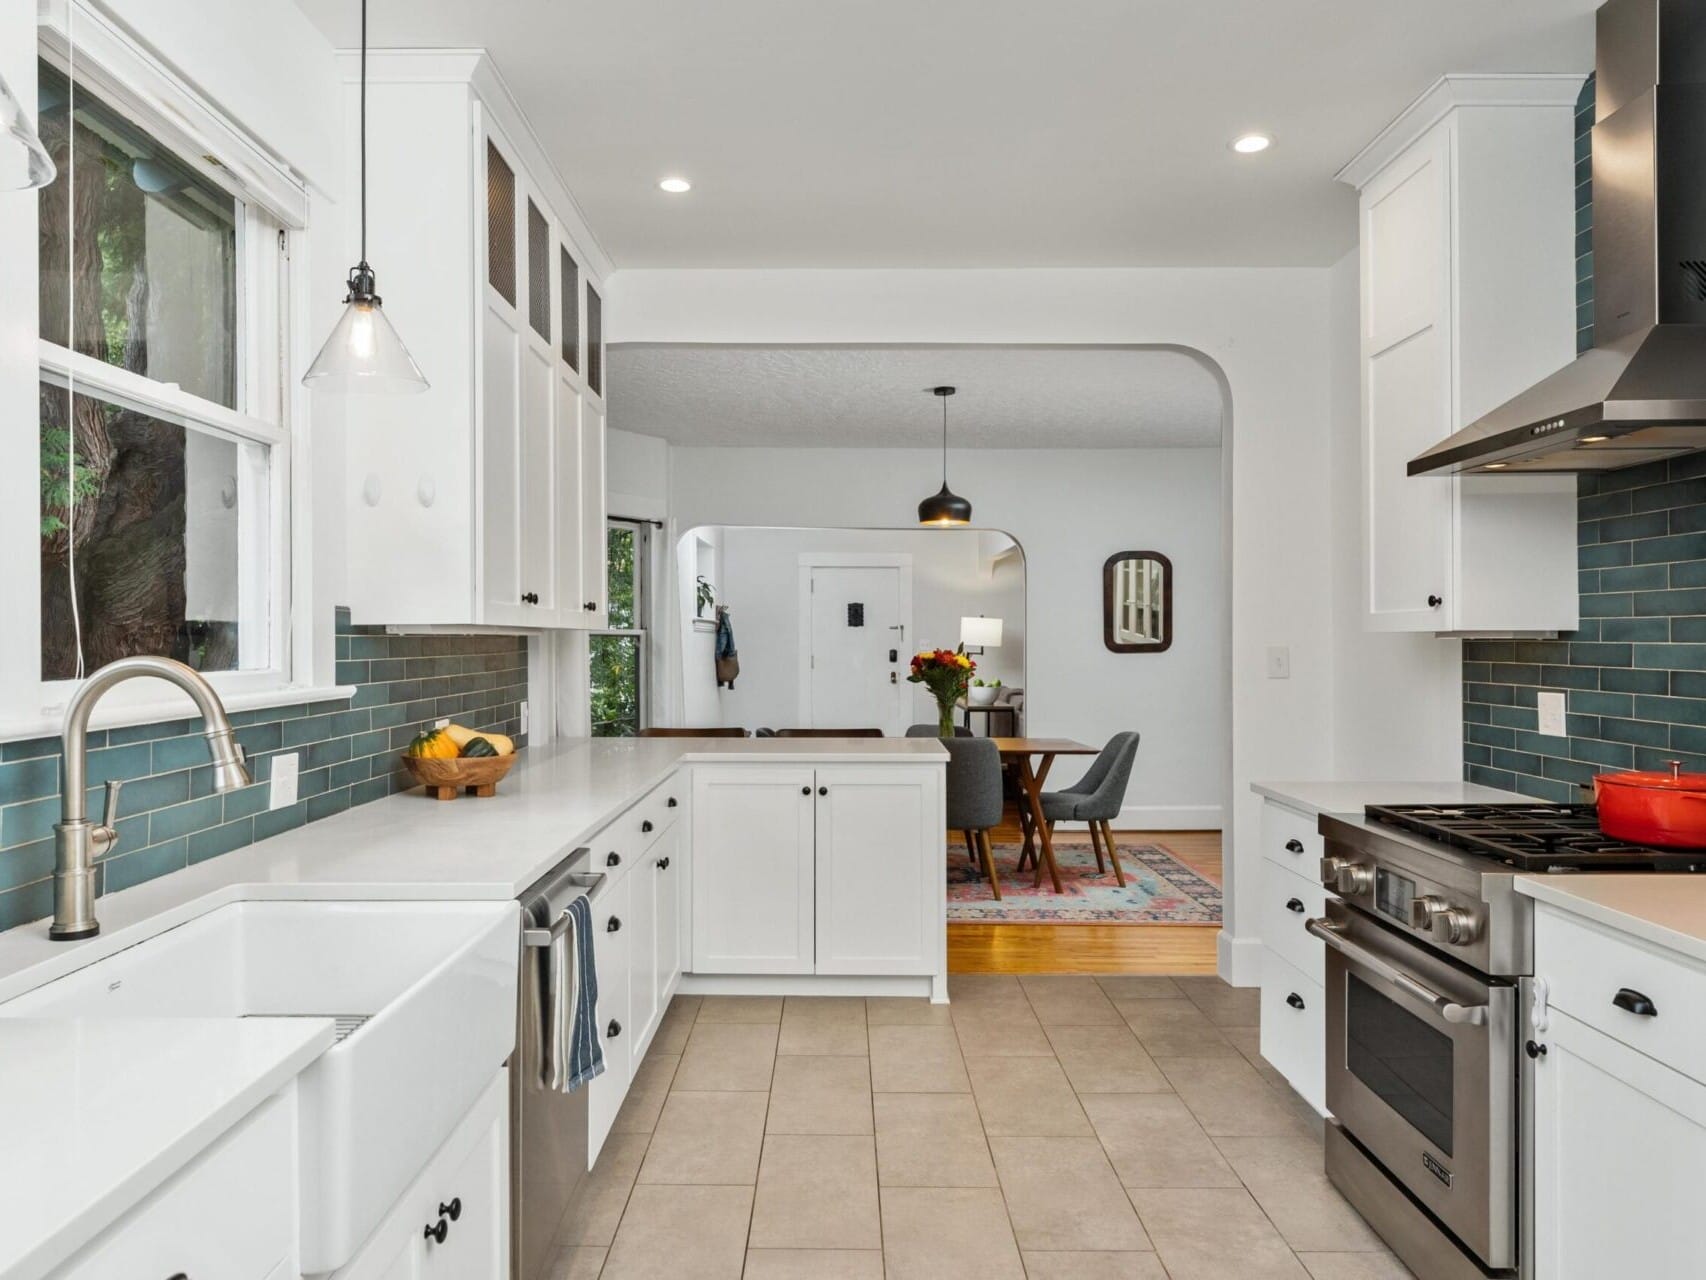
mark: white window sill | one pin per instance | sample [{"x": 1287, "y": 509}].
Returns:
[{"x": 175, "y": 706}]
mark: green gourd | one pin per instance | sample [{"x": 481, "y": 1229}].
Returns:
[{"x": 478, "y": 747}]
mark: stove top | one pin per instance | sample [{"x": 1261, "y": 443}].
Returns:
[{"x": 1537, "y": 837}]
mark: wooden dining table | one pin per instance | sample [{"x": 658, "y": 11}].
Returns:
[{"x": 1020, "y": 753}]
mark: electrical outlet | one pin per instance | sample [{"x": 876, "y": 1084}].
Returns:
[
  {"x": 1552, "y": 714},
  {"x": 440, "y": 723},
  {"x": 524, "y": 717},
  {"x": 285, "y": 771},
  {"x": 1279, "y": 662}
]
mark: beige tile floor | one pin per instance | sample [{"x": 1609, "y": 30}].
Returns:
[{"x": 1056, "y": 1128}]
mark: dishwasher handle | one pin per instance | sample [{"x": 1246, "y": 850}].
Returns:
[{"x": 1447, "y": 1008}]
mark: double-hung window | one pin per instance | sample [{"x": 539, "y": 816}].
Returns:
[
  {"x": 617, "y": 656},
  {"x": 164, "y": 401}
]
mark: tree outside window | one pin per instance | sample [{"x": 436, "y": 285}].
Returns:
[{"x": 617, "y": 657}]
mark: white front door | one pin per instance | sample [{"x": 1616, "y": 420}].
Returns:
[{"x": 859, "y": 658}]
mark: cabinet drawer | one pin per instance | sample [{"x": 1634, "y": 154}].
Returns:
[
  {"x": 1585, "y": 967},
  {"x": 230, "y": 1213},
  {"x": 1287, "y": 901},
  {"x": 1294, "y": 1028},
  {"x": 613, "y": 951},
  {"x": 1291, "y": 839},
  {"x": 634, "y": 831}
]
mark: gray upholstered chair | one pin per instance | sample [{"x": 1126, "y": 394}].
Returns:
[
  {"x": 974, "y": 798},
  {"x": 933, "y": 731},
  {"x": 1096, "y": 798}
]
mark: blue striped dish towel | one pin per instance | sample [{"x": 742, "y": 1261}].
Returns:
[{"x": 586, "y": 1054}]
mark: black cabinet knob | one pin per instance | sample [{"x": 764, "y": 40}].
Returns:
[
  {"x": 1294, "y": 846},
  {"x": 612, "y": 859},
  {"x": 613, "y": 1030},
  {"x": 453, "y": 1210},
  {"x": 672, "y": 802},
  {"x": 1632, "y": 1001},
  {"x": 1535, "y": 1051},
  {"x": 613, "y": 926},
  {"x": 663, "y": 864},
  {"x": 823, "y": 791},
  {"x": 1434, "y": 602},
  {"x": 646, "y": 825},
  {"x": 530, "y": 597},
  {"x": 437, "y": 1231},
  {"x": 805, "y": 791},
  {"x": 1294, "y": 1000},
  {"x": 591, "y": 606},
  {"x": 1294, "y": 904}
]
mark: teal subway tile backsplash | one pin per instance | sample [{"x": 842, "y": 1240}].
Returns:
[
  {"x": 1634, "y": 675},
  {"x": 170, "y": 816}
]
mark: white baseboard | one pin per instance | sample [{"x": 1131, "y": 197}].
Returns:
[
  {"x": 1239, "y": 960},
  {"x": 1163, "y": 817},
  {"x": 803, "y": 984}
]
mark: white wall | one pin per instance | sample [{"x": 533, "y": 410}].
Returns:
[
  {"x": 1069, "y": 510},
  {"x": 636, "y": 471},
  {"x": 1266, "y": 333},
  {"x": 759, "y": 579}
]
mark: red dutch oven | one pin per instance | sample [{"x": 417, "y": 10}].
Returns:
[{"x": 1666, "y": 809}]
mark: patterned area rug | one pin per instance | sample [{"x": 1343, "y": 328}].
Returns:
[{"x": 1159, "y": 889}]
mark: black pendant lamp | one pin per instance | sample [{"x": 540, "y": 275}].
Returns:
[
  {"x": 364, "y": 352},
  {"x": 945, "y": 507}
]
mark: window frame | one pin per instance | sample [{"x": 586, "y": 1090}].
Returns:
[
  {"x": 640, "y": 633},
  {"x": 271, "y": 208}
]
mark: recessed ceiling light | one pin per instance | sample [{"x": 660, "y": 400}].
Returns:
[
  {"x": 1595, "y": 439},
  {"x": 675, "y": 186},
  {"x": 1250, "y": 143},
  {"x": 1495, "y": 466}
]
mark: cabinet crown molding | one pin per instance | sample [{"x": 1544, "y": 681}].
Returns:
[{"x": 1447, "y": 94}]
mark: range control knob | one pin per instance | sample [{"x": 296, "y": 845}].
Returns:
[
  {"x": 1344, "y": 876},
  {"x": 1454, "y": 925}
]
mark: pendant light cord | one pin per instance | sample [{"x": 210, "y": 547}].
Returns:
[
  {"x": 364, "y": 132},
  {"x": 944, "y": 400}
]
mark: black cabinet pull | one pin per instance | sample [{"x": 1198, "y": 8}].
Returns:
[
  {"x": 823, "y": 791},
  {"x": 453, "y": 1210},
  {"x": 436, "y": 1233},
  {"x": 1434, "y": 602},
  {"x": 613, "y": 1030},
  {"x": 1294, "y": 1000},
  {"x": 646, "y": 825},
  {"x": 1632, "y": 1001},
  {"x": 663, "y": 864},
  {"x": 672, "y": 802},
  {"x": 613, "y": 925},
  {"x": 1535, "y": 1051},
  {"x": 1294, "y": 846},
  {"x": 1294, "y": 904},
  {"x": 613, "y": 859}
]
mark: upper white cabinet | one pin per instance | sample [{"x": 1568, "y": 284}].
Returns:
[
  {"x": 1467, "y": 212},
  {"x": 481, "y": 501}
]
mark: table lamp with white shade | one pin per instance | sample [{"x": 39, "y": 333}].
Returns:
[{"x": 977, "y": 634}]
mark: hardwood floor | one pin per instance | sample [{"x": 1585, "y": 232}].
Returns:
[{"x": 1095, "y": 948}]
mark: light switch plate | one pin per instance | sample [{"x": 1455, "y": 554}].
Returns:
[
  {"x": 285, "y": 771},
  {"x": 1552, "y": 714},
  {"x": 524, "y": 717},
  {"x": 1279, "y": 662}
]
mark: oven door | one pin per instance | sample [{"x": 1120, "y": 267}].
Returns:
[{"x": 1421, "y": 1071}]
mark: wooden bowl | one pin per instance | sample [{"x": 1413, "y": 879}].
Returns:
[{"x": 444, "y": 779}]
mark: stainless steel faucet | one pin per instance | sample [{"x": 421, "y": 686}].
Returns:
[{"x": 77, "y": 842}]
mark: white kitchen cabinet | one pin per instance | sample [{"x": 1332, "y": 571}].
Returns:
[
  {"x": 230, "y": 1213},
  {"x": 612, "y": 939},
  {"x": 1294, "y": 1025},
  {"x": 753, "y": 868},
  {"x": 479, "y": 502},
  {"x": 879, "y": 888},
  {"x": 463, "y": 1194},
  {"x": 1468, "y": 298},
  {"x": 655, "y": 953}
]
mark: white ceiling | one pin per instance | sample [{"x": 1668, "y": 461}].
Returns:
[
  {"x": 971, "y": 132},
  {"x": 872, "y": 396}
]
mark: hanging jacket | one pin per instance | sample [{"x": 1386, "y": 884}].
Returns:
[{"x": 727, "y": 657}]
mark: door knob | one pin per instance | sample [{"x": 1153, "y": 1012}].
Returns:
[
  {"x": 437, "y": 1232},
  {"x": 1434, "y": 602},
  {"x": 805, "y": 791},
  {"x": 453, "y": 1210},
  {"x": 1534, "y": 1050},
  {"x": 823, "y": 791}
]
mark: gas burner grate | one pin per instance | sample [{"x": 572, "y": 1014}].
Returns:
[{"x": 1538, "y": 837}]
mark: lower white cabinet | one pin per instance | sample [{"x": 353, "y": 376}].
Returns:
[
  {"x": 1294, "y": 1024},
  {"x": 453, "y": 1221},
  {"x": 1294, "y": 1028},
  {"x": 612, "y": 940},
  {"x": 655, "y": 957},
  {"x": 1619, "y": 1104},
  {"x": 230, "y": 1214},
  {"x": 829, "y": 870}
]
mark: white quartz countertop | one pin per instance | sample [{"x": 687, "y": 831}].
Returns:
[
  {"x": 1668, "y": 911},
  {"x": 96, "y": 1113},
  {"x": 1316, "y": 798},
  {"x": 407, "y": 846}
]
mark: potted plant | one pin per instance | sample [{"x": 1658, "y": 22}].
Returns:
[
  {"x": 706, "y": 595},
  {"x": 945, "y": 673}
]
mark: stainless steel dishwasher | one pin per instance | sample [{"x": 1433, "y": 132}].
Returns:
[{"x": 548, "y": 1128}]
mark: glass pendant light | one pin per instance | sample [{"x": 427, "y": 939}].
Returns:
[
  {"x": 24, "y": 162},
  {"x": 364, "y": 352},
  {"x": 945, "y": 507}
]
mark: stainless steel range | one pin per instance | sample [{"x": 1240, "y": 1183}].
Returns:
[{"x": 1429, "y": 976}]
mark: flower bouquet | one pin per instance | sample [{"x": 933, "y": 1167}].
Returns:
[{"x": 945, "y": 673}]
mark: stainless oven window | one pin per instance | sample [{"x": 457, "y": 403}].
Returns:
[{"x": 1403, "y": 1060}]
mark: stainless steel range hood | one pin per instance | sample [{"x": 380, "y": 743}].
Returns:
[{"x": 1640, "y": 394}]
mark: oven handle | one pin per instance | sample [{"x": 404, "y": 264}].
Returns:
[{"x": 1450, "y": 1010}]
